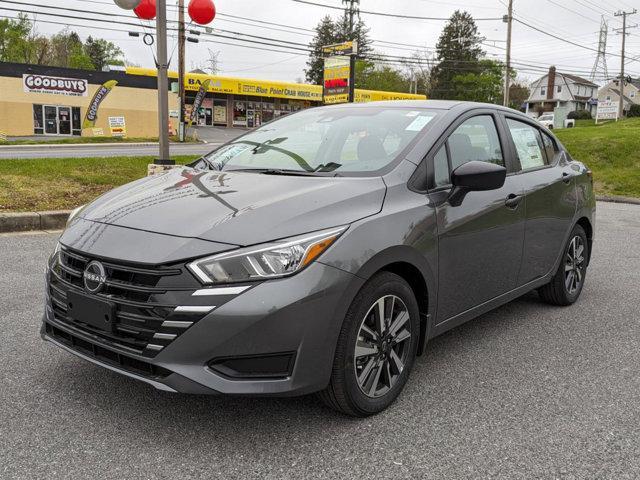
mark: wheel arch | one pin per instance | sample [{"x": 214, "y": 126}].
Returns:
[
  {"x": 413, "y": 267},
  {"x": 585, "y": 223}
]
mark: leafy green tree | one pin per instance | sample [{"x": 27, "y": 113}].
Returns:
[
  {"x": 380, "y": 77},
  {"x": 458, "y": 55},
  {"x": 484, "y": 85},
  {"x": 102, "y": 53},
  {"x": 518, "y": 94},
  {"x": 14, "y": 35}
]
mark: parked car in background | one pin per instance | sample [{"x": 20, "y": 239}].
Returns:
[
  {"x": 547, "y": 120},
  {"x": 320, "y": 252}
]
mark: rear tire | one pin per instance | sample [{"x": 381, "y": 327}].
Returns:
[
  {"x": 566, "y": 285},
  {"x": 375, "y": 353}
]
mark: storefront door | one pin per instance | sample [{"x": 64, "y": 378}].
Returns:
[
  {"x": 50, "y": 120},
  {"x": 64, "y": 121}
]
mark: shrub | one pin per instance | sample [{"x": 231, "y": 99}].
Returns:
[
  {"x": 580, "y": 115},
  {"x": 634, "y": 111}
]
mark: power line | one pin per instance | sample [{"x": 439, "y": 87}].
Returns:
[{"x": 395, "y": 15}]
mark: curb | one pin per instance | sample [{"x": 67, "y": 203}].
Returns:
[
  {"x": 618, "y": 199},
  {"x": 57, "y": 219},
  {"x": 26, "y": 221}
]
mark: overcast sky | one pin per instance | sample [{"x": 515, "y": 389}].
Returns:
[{"x": 574, "y": 20}]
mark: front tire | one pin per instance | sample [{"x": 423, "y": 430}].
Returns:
[
  {"x": 376, "y": 347},
  {"x": 566, "y": 285}
]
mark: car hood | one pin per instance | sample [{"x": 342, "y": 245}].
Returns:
[{"x": 239, "y": 208}]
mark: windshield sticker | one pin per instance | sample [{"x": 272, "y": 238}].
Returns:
[{"x": 418, "y": 123}]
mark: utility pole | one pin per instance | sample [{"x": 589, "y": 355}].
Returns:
[
  {"x": 624, "y": 15},
  {"x": 163, "y": 84},
  {"x": 181, "y": 45},
  {"x": 508, "y": 19}
]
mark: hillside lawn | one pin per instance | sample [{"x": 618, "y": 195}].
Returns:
[{"x": 611, "y": 150}]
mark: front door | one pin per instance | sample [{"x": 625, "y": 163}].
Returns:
[
  {"x": 480, "y": 240},
  {"x": 50, "y": 120}
]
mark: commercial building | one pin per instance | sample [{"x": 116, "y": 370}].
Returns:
[{"x": 42, "y": 100}]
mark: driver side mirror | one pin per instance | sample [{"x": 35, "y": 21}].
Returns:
[{"x": 475, "y": 176}]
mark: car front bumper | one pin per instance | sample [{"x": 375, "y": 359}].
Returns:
[{"x": 298, "y": 316}]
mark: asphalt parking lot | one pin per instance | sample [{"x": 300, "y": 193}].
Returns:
[{"x": 525, "y": 391}]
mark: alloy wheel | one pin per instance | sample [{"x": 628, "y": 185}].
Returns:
[
  {"x": 574, "y": 265},
  {"x": 382, "y": 346}
]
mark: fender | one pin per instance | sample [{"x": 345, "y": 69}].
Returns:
[{"x": 392, "y": 259}]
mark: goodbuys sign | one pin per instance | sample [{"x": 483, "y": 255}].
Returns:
[{"x": 76, "y": 87}]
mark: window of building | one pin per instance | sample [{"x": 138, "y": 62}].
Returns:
[
  {"x": 38, "y": 120},
  {"x": 559, "y": 88},
  {"x": 608, "y": 98},
  {"x": 528, "y": 144},
  {"x": 240, "y": 114},
  {"x": 543, "y": 90},
  {"x": 632, "y": 95}
]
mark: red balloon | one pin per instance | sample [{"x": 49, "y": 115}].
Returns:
[
  {"x": 146, "y": 10},
  {"x": 202, "y": 11}
]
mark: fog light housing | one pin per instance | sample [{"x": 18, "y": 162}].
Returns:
[{"x": 273, "y": 365}]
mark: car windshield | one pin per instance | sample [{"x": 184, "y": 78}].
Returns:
[{"x": 325, "y": 141}]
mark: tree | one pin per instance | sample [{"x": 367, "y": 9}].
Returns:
[
  {"x": 485, "y": 85},
  {"x": 518, "y": 94},
  {"x": 380, "y": 77},
  {"x": 102, "y": 53},
  {"x": 14, "y": 45},
  {"x": 67, "y": 50},
  {"x": 325, "y": 35},
  {"x": 458, "y": 54}
]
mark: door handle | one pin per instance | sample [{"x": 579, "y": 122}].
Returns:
[
  {"x": 566, "y": 177},
  {"x": 513, "y": 201}
]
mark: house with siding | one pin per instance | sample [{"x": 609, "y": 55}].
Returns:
[
  {"x": 611, "y": 92},
  {"x": 561, "y": 90}
]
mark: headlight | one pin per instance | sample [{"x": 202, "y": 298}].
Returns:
[
  {"x": 272, "y": 260},
  {"x": 74, "y": 212}
]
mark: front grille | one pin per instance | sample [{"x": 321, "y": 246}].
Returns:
[
  {"x": 145, "y": 301},
  {"x": 107, "y": 356}
]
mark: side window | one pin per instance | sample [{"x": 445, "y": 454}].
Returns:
[
  {"x": 441, "y": 168},
  {"x": 528, "y": 144},
  {"x": 476, "y": 139},
  {"x": 549, "y": 147}
]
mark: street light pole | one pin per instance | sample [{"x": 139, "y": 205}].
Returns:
[
  {"x": 507, "y": 79},
  {"x": 163, "y": 84}
]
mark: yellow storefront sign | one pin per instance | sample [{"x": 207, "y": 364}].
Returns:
[{"x": 266, "y": 88}]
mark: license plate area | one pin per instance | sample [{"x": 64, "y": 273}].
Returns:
[{"x": 95, "y": 312}]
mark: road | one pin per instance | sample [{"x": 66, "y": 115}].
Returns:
[
  {"x": 97, "y": 150},
  {"x": 526, "y": 391}
]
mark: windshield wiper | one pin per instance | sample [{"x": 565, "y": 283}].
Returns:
[{"x": 275, "y": 171}]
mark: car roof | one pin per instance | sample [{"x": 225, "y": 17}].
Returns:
[{"x": 431, "y": 104}]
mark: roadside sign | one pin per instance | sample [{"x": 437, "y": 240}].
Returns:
[
  {"x": 117, "y": 126},
  {"x": 607, "y": 110},
  {"x": 339, "y": 66},
  {"x": 344, "y": 48}
]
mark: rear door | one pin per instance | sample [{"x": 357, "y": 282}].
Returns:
[
  {"x": 479, "y": 241},
  {"x": 550, "y": 195}
]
